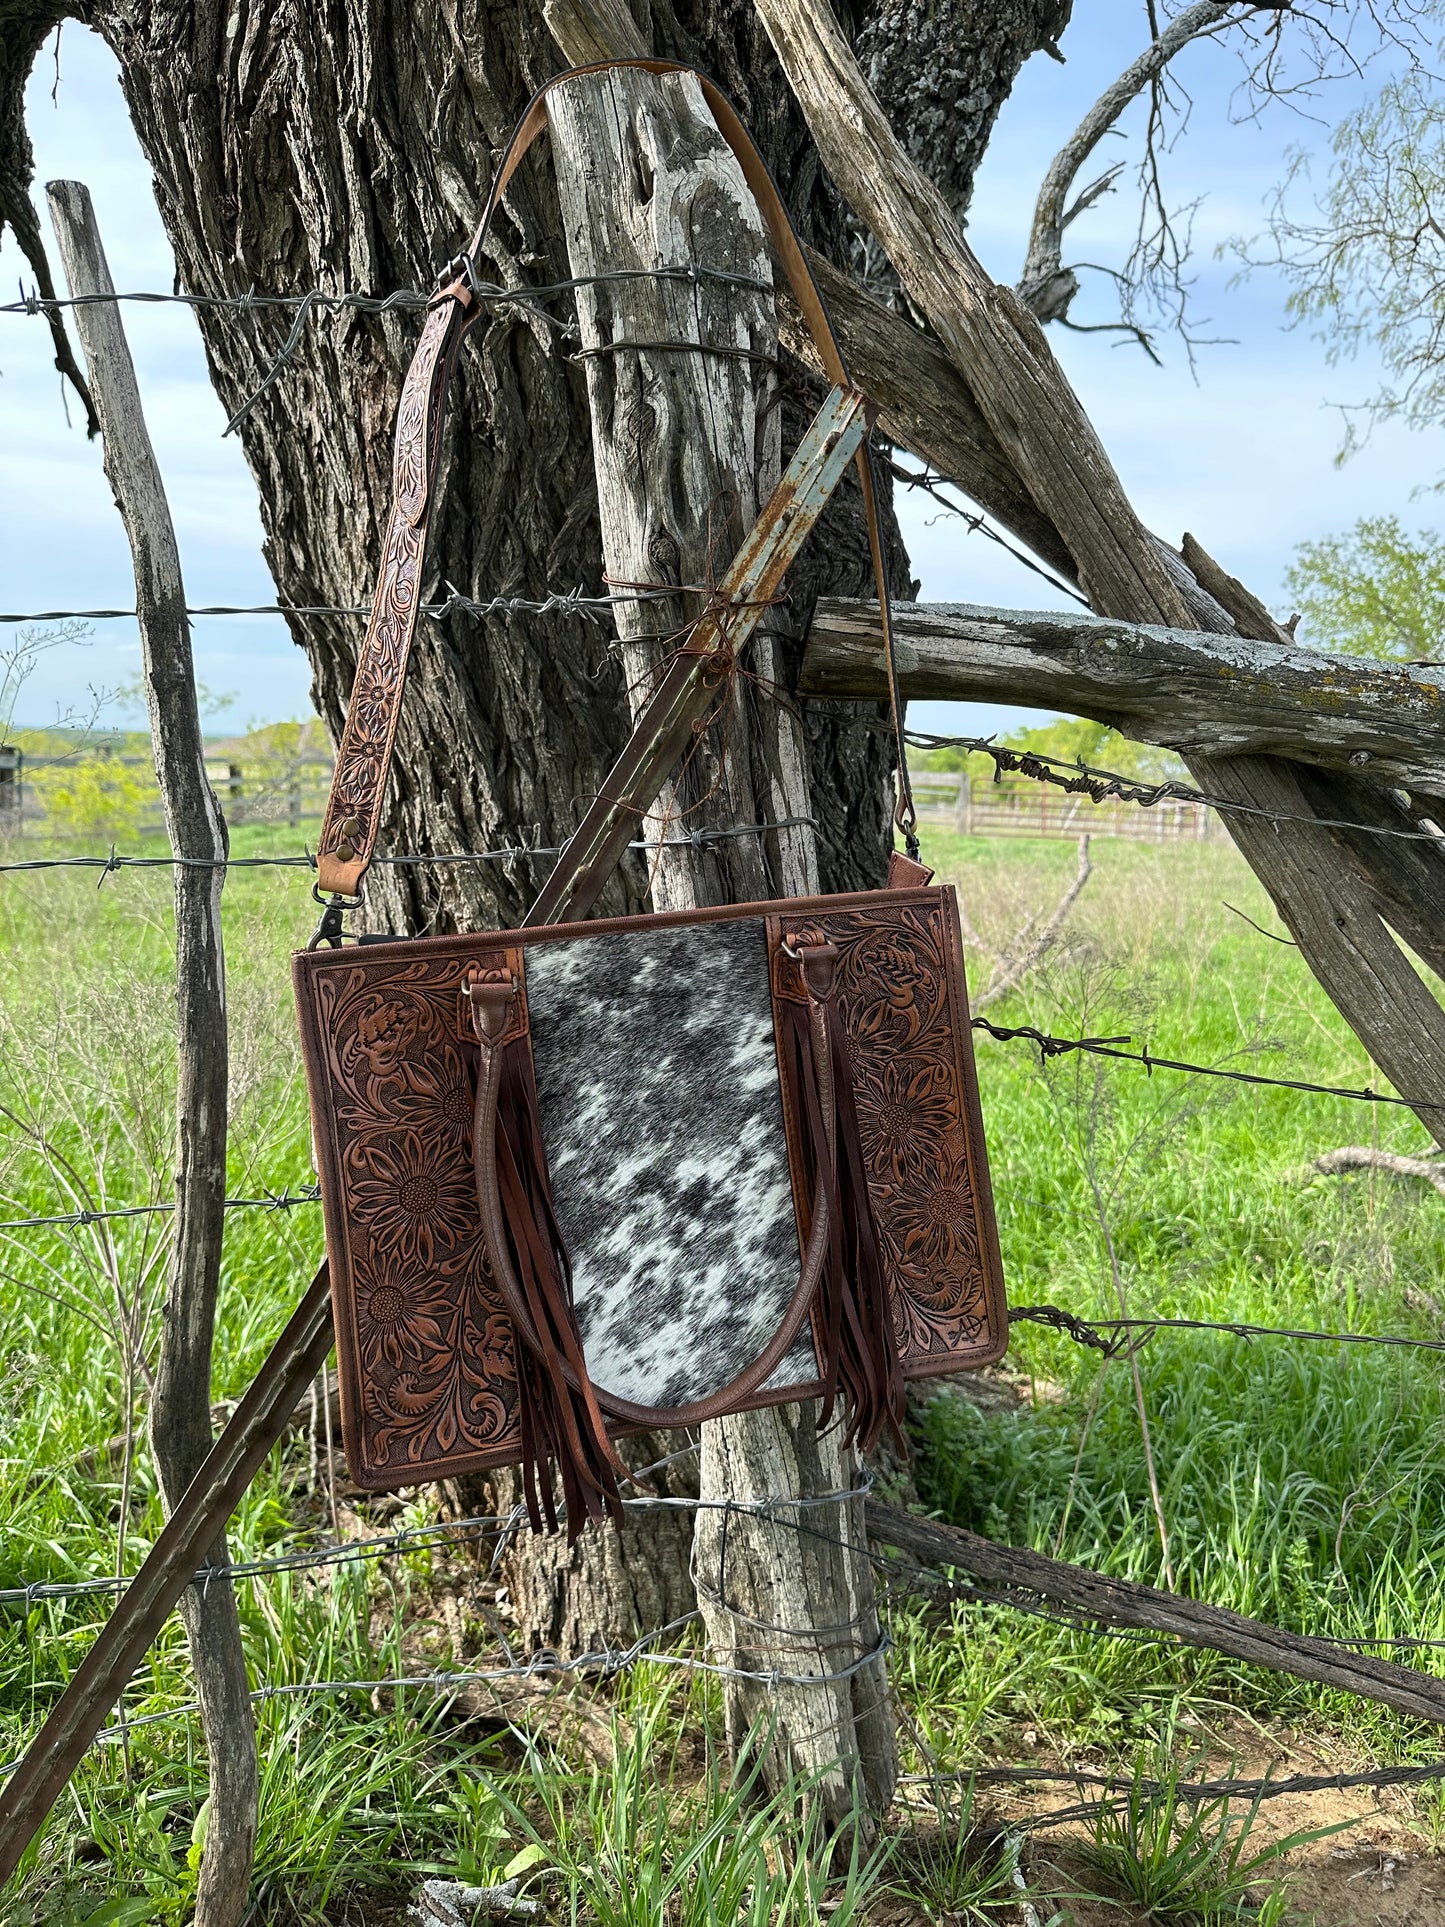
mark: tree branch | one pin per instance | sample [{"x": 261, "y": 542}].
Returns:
[
  {"x": 1046, "y": 287},
  {"x": 1025, "y": 1577},
  {"x": 24, "y": 28},
  {"x": 1185, "y": 689},
  {"x": 1365, "y": 1157},
  {"x": 1332, "y": 909}
]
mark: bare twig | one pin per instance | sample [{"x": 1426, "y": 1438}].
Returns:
[
  {"x": 1046, "y": 286},
  {"x": 1011, "y": 965}
]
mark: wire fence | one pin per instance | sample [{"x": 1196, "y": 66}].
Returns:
[
  {"x": 1078, "y": 778},
  {"x": 1100, "y": 785},
  {"x": 1117, "y": 1338},
  {"x": 899, "y": 1581},
  {"x": 318, "y": 301},
  {"x": 574, "y": 602},
  {"x": 112, "y": 864},
  {"x": 312, "y": 302}
]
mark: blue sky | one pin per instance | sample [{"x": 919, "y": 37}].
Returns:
[{"x": 1241, "y": 452}]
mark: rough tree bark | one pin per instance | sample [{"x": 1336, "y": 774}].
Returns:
[{"x": 180, "y": 1418}]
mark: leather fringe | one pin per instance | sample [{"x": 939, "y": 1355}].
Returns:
[
  {"x": 852, "y": 1317},
  {"x": 558, "y": 1413}
]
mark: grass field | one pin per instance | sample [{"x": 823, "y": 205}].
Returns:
[{"x": 1301, "y": 1483}]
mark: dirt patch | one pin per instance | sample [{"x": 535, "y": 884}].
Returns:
[{"x": 1380, "y": 1870}]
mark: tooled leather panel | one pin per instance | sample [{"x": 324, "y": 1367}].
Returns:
[
  {"x": 374, "y": 703},
  {"x": 424, "y": 1346},
  {"x": 901, "y": 992}
]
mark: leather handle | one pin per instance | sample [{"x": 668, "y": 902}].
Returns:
[{"x": 363, "y": 759}]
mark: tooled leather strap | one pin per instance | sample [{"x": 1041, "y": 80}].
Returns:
[{"x": 353, "y": 812}]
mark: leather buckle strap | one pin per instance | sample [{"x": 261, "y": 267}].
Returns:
[{"x": 363, "y": 759}]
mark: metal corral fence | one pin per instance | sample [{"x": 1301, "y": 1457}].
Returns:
[{"x": 1013, "y": 806}]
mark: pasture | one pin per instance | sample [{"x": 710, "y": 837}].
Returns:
[{"x": 1303, "y": 1483}]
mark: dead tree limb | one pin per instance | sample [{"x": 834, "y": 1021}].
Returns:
[
  {"x": 1046, "y": 287},
  {"x": 180, "y": 1419},
  {"x": 1015, "y": 1574},
  {"x": 1332, "y": 897},
  {"x": 1365, "y": 1157},
  {"x": 1188, "y": 690}
]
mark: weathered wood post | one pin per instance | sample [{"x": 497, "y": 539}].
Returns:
[
  {"x": 963, "y": 806},
  {"x": 180, "y": 1419},
  {"x": 686, "y": 441}
]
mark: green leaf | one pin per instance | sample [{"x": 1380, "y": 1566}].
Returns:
[{"x": 529, "y": 1856}]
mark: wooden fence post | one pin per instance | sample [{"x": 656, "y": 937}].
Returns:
[
  {"x": 180, "y": 1418},
  {"x": 687, "y": 445},
  {"x": 963, "y": 806}
]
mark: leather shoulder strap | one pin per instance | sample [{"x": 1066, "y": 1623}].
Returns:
[{"x": 353, "y": 812}]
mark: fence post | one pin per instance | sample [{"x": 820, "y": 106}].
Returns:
[
  {"x": 12, "y": 792},
  {"x": 963, "y": 806},
  {"x": 687, "y": 446},
  {"x": 180, "y": 1418}
]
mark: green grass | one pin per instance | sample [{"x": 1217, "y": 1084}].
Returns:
[
  {"x": 1300, "y": 1483},
  {"x": 1304, "y": 1484}
]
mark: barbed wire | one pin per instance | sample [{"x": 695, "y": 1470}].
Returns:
[
  {"x": 321, "y": 301},
  {"x": 71, "y": 1220},
  {"x": 1090, "y": 1332},
  {"x": 314, "y": 301},
  {"x": 1049, "y": 1046},
  {"x": 508, "y": 853},
  {"x": 555, "y": 602},
  {"x": 1100, "y": 785},
  {"x": 932, "y": 484}
]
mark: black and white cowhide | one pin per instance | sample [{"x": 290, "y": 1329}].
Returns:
[{"x": 657, "y": 1080}]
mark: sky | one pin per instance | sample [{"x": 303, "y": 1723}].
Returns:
[{"x": 1241, "y": 450}]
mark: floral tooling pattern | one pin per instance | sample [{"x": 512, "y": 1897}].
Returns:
[
  {"x": 900, "y": 988},
  {"x": 371, "y": 714},
  {"x": 429, "y": 1343}
]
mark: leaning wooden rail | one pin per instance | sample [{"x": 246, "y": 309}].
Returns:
[
  {"x": 1017, "y": 1574},
  {"x": 1185, "y": 689}
]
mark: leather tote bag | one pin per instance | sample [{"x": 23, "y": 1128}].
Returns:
[{"x": 583, "y": 1177}]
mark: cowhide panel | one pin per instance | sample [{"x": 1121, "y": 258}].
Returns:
[{"x": 657, "y": 1081}]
